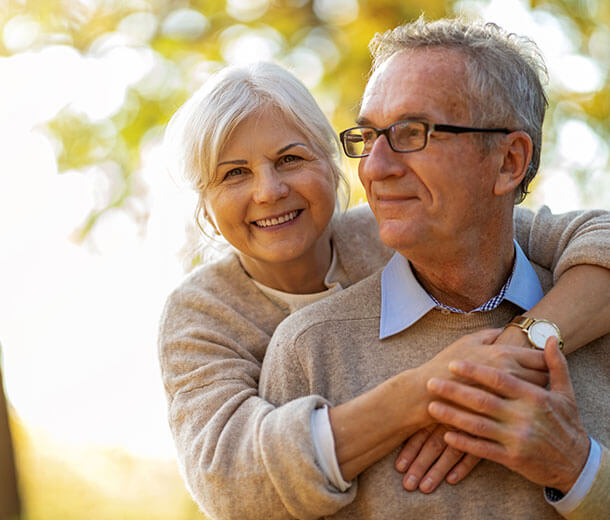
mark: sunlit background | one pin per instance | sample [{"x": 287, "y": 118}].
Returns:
[{"x": 95, "y": 233}]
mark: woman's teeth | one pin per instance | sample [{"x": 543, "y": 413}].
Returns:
[{"x": 266, "y": 222}]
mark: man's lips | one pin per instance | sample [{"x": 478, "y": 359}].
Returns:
[
  {"x": 394, "y": 198},
  {"x": 277, "y": 219}
]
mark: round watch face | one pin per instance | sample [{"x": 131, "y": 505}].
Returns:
[{"x": 540, "y": 331}]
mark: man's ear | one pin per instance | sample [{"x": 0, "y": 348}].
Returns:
[{"x": 517, "y": 149}]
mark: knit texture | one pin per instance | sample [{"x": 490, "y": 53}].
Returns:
[
  {"x": 240, "y": 456},
  {"x": 597, "y": 502},
  {"x": 332, "y": 348}
]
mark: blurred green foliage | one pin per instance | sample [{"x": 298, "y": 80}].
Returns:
[
  {"x": 187, "y": 41},
  {"x": 191, "y": 39}
]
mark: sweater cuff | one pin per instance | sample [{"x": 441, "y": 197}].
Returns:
[
  {"x": 324, "y": 446},
  {"x": 564, "y": 504},
  {"x": 285, "y": 441}
]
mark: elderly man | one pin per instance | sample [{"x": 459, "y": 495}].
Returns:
[{"x": 449, "y": 137}]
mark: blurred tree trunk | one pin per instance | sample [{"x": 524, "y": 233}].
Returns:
[{"x": 9, "y": 496}]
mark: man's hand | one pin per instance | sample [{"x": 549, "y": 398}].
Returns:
[
  {"x": 425, "y": 458},
  {"x": 535, "y": 432}
]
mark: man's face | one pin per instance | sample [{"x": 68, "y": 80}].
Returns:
[{"x": 442, "y": 193}]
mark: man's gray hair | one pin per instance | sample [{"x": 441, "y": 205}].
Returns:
[
  {"x": 198, "y": 131},
  {"x": 504, "y": 79}
]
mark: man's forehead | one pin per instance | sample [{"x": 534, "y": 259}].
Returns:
[{"x": 414, "y": 83}]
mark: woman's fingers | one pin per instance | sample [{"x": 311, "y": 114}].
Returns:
[
  {"x": 462, "y": 469},
  {"x": 440, "y": 469},
  {"x": 411, "y": 448},
  {"x": 430, "y": 451}
]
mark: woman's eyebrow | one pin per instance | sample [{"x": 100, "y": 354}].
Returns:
[
  {"x": 282, "y": 150},
  {"x": 234, "y": 161}
]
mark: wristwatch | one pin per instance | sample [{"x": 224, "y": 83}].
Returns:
[{"x": 538, "y": 331}]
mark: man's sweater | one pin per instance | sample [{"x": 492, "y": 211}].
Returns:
[
  {"x": 240, "y": 456},
  {"x": 332, "y": 348}
]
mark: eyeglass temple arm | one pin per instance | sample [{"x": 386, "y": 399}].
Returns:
[{"x": 465, "y": 129}]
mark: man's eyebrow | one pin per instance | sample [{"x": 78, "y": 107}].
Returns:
[
  {"x": 233, "y": 161},
  {"x": 364, "y": 121},
  {"x": 288, "y": 146}
]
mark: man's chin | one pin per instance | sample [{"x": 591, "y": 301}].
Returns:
[{"x": 400, "y": 235}]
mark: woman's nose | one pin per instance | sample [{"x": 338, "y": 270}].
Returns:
[{"x": 269, "y": 187}]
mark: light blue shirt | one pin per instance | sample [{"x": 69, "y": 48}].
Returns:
[{"x": 404, "y": 300}]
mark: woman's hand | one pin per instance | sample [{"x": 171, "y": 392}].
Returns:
[
  {"x": 526, "y": 364},
  {"x": 426, "y": 460}
]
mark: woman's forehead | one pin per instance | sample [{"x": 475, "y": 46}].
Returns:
[{"x": 262, "y": 131}]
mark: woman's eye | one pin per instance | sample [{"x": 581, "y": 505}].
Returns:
[
  {"x": 289, "y": 158},
  {"x": 235, "y": 172}
]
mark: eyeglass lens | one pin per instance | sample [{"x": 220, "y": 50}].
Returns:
[{"x": 404, "y": 136}]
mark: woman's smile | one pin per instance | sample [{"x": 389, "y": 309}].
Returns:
[{"x": 273, "y": 223}]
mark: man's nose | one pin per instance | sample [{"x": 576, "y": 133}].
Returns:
[
  {"x": 382, "y": 162},
  {"x": 269, "y": 186}
]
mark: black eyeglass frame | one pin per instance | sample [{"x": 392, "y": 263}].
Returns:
[{"x": 430, "y": 127}]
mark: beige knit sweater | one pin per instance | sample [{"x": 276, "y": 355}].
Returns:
[
  {"x": 240, "y": 456},
  {"x": 332, "y": 348}
]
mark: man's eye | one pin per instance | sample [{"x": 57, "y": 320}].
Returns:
[
  {"x": 410, "y": 130},
  {"x": 368, "y": 135}
]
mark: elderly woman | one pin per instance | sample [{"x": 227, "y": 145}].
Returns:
[{"x": 264, "y": 161}]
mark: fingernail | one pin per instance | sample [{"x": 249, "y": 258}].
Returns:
[
  {"x": 401, "y": 465},
  {"x": 426, "y": 485},
  {"x": 411, "y": 483},
  {"x": 456, "y": 366},
  {"x": 450, "y": 437},
  {"x": 434, "y": 407},
  {"x": 433, "y": 383},
  {"x": 452, "y": 477}
]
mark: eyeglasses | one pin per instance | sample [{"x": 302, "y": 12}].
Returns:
[{"x": 403, "y": 136}]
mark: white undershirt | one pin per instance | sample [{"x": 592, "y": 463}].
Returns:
[{"x": 298, "y": 301}]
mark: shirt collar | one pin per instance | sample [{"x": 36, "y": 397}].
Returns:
[{"x": 404, "y": 301}]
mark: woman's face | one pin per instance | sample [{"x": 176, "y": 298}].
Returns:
[{"x": 273, "y": 195}]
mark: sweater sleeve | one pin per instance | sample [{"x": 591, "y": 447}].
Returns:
[
  {"x": 241, "y": 457},
  {"x": 596, "y": 502},
  {"x": 284, "y": 380},
  {"x": 558, "y": 242}
]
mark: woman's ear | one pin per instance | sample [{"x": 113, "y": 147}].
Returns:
[
  {"x": 518, "y": 149},
  {"x": 208, "y": 218}
]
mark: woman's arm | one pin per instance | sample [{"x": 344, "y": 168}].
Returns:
[
  {"x": 240, "y": 456},
  {"x": 575, "y": 247},
  {"x": 579, "y": 304}
]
